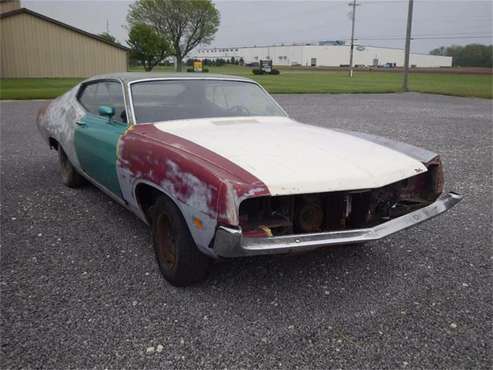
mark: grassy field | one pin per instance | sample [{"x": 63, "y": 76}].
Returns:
[
  {"x": 294, "y": 81},
  {"x": 35, "y": 88}
]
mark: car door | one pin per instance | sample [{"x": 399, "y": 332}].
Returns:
[{"x": 96, "y": 136}]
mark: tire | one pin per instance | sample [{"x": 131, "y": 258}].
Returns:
[
  {"x": 70, "y": 176},
  {"x": 180, "y": 262}
]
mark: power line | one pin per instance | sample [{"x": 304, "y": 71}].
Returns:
[
  {"x": 386, "y": 2},
  {"x": 427, "y": 38},
  {"x": 466, "y": 33}
]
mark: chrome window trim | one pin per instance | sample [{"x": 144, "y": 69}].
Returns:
[{"x": 269, "y": 96}]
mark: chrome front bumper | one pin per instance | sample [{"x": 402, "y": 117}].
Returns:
[{"x": 229, "y": 242}]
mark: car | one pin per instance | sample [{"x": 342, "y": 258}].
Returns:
[{"x": 219, "y": 170}]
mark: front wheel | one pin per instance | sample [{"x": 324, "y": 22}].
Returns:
[{"x": 180, "y": 262}]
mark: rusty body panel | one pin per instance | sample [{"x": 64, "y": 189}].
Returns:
[
  {"x": 57, "y": 121},
  {"x": 225, "y": 189},
  {"x": 203, "y": 184}
]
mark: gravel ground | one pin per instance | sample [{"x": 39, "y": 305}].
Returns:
[{"x": 80, "y": 287}]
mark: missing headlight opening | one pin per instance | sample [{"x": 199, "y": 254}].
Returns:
[{"x": 344, "y": 210}]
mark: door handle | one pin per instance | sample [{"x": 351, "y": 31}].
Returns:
[{"x": 80, "y": 123}]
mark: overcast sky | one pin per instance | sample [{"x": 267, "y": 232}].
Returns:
[{"x": 246, "y": 23}]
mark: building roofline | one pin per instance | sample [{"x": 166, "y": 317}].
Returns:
[
  {"x": 61, "y": 24},
  {"x": 401, "y": 49},
  {"x": 312, "y": 45}
]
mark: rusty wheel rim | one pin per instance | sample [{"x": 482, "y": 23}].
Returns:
[{"x": 166, "y": 242}]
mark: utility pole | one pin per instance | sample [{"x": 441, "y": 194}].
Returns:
[
  {"x": 353, "y": 16},
  {"x": 107, "y": 26},
  {"x": 405, "y": 86}
]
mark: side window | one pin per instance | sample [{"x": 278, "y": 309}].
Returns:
[
  {"x": 104, "y": 93},
  {"x": 88, "y": 98},
  {"x": 116, "y": 96}
]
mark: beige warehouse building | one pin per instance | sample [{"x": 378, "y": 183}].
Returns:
[{"x": 34, "y": 45}]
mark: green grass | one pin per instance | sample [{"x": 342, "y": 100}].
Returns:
[
  {"x": 294, "y": 81},
  {"x": 480, "y": 86},
  {"x": 35, "y": 88}
]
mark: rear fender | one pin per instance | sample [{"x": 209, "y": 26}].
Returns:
[{"x": 57, "y": 122}]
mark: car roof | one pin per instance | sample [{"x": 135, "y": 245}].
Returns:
[{"x": 128, "y": 77}]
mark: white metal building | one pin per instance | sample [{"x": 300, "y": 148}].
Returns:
[{"x": 323, "y": 54}]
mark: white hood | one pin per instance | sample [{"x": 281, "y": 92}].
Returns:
[{"x": 294, "y": 158}]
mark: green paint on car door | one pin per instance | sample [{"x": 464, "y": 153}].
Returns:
[{"x": 96, "y": 140}]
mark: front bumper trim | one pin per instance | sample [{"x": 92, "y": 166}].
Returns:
[{"x": 229, "y": 242}]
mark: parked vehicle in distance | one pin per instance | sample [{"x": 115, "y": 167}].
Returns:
[
  {"x": 390, "y": 65},
  {"x": 253, "y": 64},
  {"x": 219, "y": 170}
]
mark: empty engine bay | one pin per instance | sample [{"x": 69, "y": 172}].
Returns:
[{"x": 342, "y": 210}]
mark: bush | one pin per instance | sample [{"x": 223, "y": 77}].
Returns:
[
  {"x": 205, "y": 70},
  {"x": 190, "y": 70},
  {"x": 275, "y": 72},
  {"x": 257, "y": 72},
  {"x": 220, "y": 62}
]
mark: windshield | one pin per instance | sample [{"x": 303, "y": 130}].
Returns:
[{"x": 163, "y": 100}]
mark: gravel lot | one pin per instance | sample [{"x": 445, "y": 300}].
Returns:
[{"x": 80, "y": 287}]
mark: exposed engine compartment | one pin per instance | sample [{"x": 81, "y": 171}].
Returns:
[{"x": 343, "y": 210}]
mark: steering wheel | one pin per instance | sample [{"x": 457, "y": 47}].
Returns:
[{"x": 239, "y": 110}]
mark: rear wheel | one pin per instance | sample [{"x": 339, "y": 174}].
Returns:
[
  {"x": 70, "y": 176},
  {"x": 180, "y": 262}
]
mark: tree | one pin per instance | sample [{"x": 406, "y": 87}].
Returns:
[
  {"x": 442, "y": 50},
  {"x": 186, "y": 23},
  {"x": 108, "y": 37},
  {"x": 147, "y": 46},
  {"x": 472, "y": 55}
]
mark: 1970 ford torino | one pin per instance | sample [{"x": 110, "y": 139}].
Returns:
[{"x": 218, "y": 169}]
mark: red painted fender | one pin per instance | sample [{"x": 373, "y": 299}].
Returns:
[{"x": 202, "y": 184}]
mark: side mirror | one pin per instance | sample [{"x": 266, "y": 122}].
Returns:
[{"x": 106, "y": 111}]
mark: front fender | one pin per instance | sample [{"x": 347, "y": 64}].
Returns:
[
  {"x": 201, "y": 191},
  {"x": 420, "y": 154}
]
